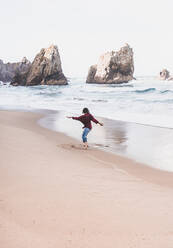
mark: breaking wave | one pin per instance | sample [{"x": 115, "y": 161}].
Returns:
[{"x": 145, "y": 100}]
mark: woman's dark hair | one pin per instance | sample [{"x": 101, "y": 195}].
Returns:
[{"x": 85, "y": 111}]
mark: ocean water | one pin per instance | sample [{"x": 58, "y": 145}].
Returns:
[{"x": 146, "y": 100}]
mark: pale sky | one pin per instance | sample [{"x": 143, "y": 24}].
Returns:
[{"x": 83, "y": 30}]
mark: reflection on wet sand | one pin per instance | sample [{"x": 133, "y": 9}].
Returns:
[{"x": 115, "y": 134}]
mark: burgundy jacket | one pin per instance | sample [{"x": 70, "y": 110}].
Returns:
[{"x": 86, "y": 120}]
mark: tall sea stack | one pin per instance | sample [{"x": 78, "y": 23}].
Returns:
[
  {"x": 45, "y": 70},
  {"x": 113, "y": 67}
]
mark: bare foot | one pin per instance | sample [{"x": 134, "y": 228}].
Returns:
[{"x": 85, "y": 146}]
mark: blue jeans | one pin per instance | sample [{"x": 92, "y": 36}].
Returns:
[{"x": 85, "y": 133}]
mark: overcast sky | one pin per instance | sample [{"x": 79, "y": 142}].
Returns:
[{"x": 83, "y": 30}]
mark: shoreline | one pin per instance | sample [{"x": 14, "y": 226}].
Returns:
[
  {"x": 52, "y": 193},
  {"x": 136, "y": 168},
  {"x": 140, "y": 143}
]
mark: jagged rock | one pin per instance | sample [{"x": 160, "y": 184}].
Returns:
[
  {"x": 164, "y": 74},
  {"x": 8, "y": 70},
  {"x": 45, "y": 70},
  {"x": 91, "y": 73},
  {"x": 113, "y": 67}
]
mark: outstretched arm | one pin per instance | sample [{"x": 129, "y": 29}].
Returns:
[
  {"x": 74, "y": 118},
  {"x": 100, "y": 123},
  {"x": 96, "y": 121}
]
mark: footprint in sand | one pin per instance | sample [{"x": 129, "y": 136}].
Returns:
[
  {"x": 79, "y": 146},
  {"x": 71, "y": 146}
]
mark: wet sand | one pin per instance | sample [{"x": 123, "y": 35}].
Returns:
[
  {"x": 55, "y": 194},
  {"x": 145, "y": 144}
]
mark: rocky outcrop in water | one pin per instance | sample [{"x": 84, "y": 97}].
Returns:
[
  {"x": 164, "y": 74},
  {"x": 113, "y": 67},
  {"x": 45, "y": 70},
  {"x": 8, "y": 70}
]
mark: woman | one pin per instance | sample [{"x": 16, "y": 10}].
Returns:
[{"x": 86, "y": 119}]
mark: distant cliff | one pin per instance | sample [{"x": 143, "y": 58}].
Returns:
[
  {"x": 45, "y": 70},
  {"x": 113, "y": 67},
  {"x": 8, "y": 70}
]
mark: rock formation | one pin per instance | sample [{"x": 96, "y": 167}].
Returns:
[
  {"x": 113, "y": 67},
  {"x": 45, "y": 70},
  {"x": 164, "y": 74},
  {"x": 8, "y": 70}
]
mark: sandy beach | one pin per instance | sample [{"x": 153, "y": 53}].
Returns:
[{"x": 54, "y": 194}]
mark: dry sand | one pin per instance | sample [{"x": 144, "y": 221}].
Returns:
[{"x": 55, "y": 195}]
